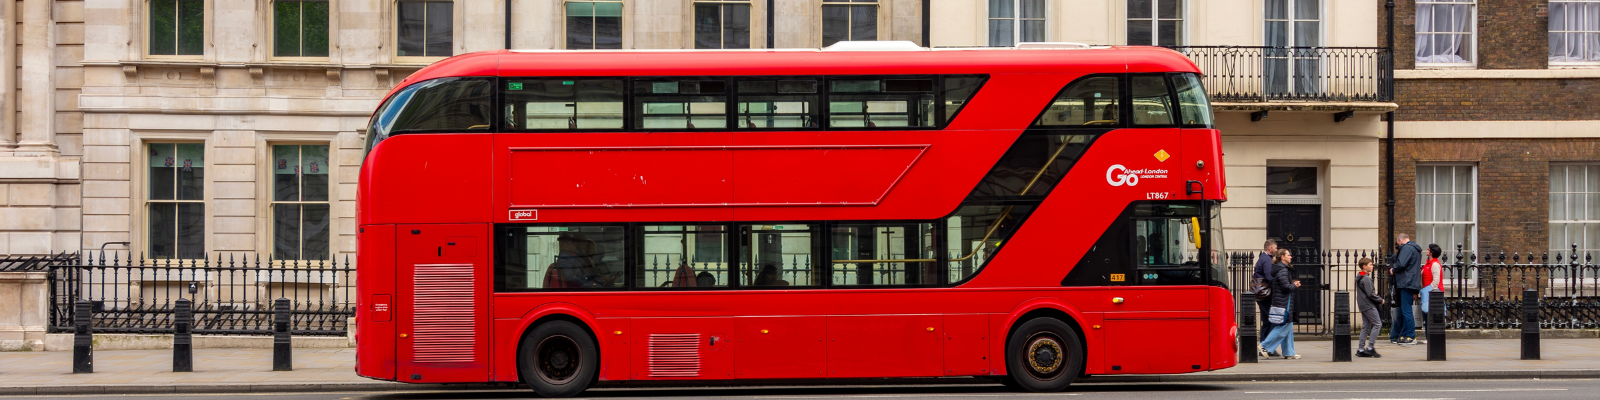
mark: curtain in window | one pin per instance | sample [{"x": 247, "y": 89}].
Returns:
[
  {"x": 1575, "y": 31},
  {"x": 1444, "y": 31}
]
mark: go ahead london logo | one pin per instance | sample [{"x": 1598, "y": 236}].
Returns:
[{"x": 1119, "y": 175}]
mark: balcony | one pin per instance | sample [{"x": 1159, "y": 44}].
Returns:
[{"x": 1259, "y": 78}]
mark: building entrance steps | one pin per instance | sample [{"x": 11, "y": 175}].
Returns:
[{"x": 236, "y": 370}]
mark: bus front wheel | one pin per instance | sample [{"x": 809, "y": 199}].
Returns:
[
  {"x": 1044, "y": 355},
  {"x": 558, "y": 359}
]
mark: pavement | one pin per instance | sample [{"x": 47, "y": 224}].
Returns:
[{"x": 326, "y": 370}]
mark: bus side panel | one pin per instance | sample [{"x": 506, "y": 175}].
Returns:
[
  {"x": 1202, "y": 161},
  {"x": 375, "y": 303},
  {"x": 429, "y": 178},
  {"x": 966, "y": 344}
]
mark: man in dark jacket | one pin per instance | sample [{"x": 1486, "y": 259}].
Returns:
[
  {"x": 1407, "y": 271},
  {"x": 1264, "y": 272}
]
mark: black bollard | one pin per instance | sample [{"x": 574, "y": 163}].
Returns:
[
  {"x": 1436, "y": 327},
  {"x": 1341, "y": 326},
  {"x": 82, "y": 338},
  {"x": 1247, "y": 328},
  {"x": 282, "y": 355},
  {"x": 182, "y": 337},
  {"x": 1530, "y": 324}
]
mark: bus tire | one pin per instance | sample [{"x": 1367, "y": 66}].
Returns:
[
  {"x": 558, "y": 359},
  {"x": 1044, "y": 355}
]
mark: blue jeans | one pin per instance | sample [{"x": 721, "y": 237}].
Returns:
[
  {"x": 1281, "y": 337},
  {"x": 1406, "y": 324}
]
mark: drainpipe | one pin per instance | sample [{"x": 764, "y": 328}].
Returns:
[
  {"x": 1389, "y": 172},
  {"x": 772, "y": 25},
  {"x": 927, "y": 19},
  {"x": 508, "y": 24}
]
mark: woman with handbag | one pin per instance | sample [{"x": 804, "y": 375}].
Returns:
[{"x": 1283, "y": 287}]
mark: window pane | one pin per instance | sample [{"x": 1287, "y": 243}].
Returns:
[
  {"x": 410, "y": 35},
  {"x": 608, "y": 26},
  {"x": 1463, "y": 207},
  {"x": 1088, "y": 101},
  {"x": 1033, "y": 30},
  {"x": 315, "y": 232},
  {"x": 314, "y": 173},
  {"x": 1277, "y": 9},
  {"x": 1192, "y": 99},
  {"x": 690, "y": 104},
  {"x": 976, "y": 233},
  {"x": 683, "y": 256},
  {"x": 1169, "y": 9},
  {"x": 777, "y": 104},
  {"x": 190, "y": 242},
  {"x": 835, "y": 24},
  {"x": 560, "y": 257},
  {"x": 1031, "y": 168},
  {"x": 1424, "y": 207},
  {"x": 1001, "y": 32},
  {"x": 1169, "y": 32},
  {"x": 285, "y": 173},
  {"x": 1139, "y": 33},
  {"x": 1307, "y": 34},
  {"x": 1558, "y": 177},
  {"x": 1140, "y": 8},
  {"x": 191, "y": 163},
  {"x": 1558, "y": 207},
  {"x": 1307, "y": 9},
  {"x": 163, "y": 171},
  {"x": 881, "y": 103},
  {"x": 864, "y": 23},
  {"x": 1424, "y": 179},
  {"x": 440, "y": 32},
  {"x": 1292, "y": 180},
  {"x": 1152, "y": 104},
  {"x": 163, "y": 27},
  {"x": 1031, "y": 8},
  {"x": 565, "y": 104},
  {"x": 778, "y": 255},
  {"x": 286, "y": 231},
  {"x": 958, "y": 90},
  {"x": 286, "y": 28},
  {"x": 191, "y": 27},
  {"x": 450, "y": 104},
  {"x": 736, "y": 26},
  {"x": 707, "y": 26},
  {"x": 314, "y": 29},
  {"x": 162, "y": 221},
  {"x": 883, "y": 255},
  {"x": 1002, "y": 9}
]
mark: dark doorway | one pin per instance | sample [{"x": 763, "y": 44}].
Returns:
[{"x": 1298, "y": 228}]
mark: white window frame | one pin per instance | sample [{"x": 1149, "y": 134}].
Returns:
[
  {"x": 1294, "y": 59},
  {"x": 1472, "y": 229},
  {"x": 1471, "y": 42},
  {"x": 1016, "y": 24},
  {"x": 456, "y": 19},
  {"x": 1569, "y": 32},
  {"x": 881, "y": 5},
  {"x": 1154, "y": 21},
  {"x": 1591, "y": 171},
  {"x": 723, "y": 20},
  {"x": 205, "y": 40}
]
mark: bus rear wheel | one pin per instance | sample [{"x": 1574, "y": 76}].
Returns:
[
  {"x": 558, "y": 359},
  {"x": 1044, "y": 355}
]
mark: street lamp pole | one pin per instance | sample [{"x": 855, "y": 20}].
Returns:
[{"x": 1389, "y": 171}]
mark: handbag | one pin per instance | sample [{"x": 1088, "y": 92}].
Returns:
[
  {"x": 1276, "y": 314},
  {"x": 1260, "y": 288}
]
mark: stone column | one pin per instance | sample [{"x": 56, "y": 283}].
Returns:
[
  {"x": 8, "y": 80},
  {"x": 24, "y": 310},
  {"x": 37, "y": 123}
]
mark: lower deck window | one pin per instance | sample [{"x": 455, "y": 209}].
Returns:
[
  {"x": 683, "y": 256},
  {"x": 778, "y": 255},
  {"x": 561, "y": 257}
]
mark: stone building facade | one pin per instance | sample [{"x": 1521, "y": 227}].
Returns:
[
  {"x": 1498, "y": 139},
  {"x": 181, "y": 127}
]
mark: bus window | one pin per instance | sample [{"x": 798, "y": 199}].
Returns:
[
  {"x": 1152, "y": 103},
  {"x": 685, "y": 104},
  {"x": 778, "y": 255},
  {"x": 1165, "y": 244},
  {"x": 1090, "y": 101},
  {"x": 956, "y": 92},
  {"x": 880, "y": 103},
  {"x": 777, "y": 103},
  {"x": 563, "y": 104},
  {"x": 1192, "y": 99},
  {"x": 884, "y": 254},
  {"x": 445, "y": 105},
  {"x": 683, "y": 256},
  {"x": 976, "y": 232},
  {"x": 1031, "y": 168},
  {"x": 560, "y": 257}
]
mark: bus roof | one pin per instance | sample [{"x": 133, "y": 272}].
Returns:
[{"x": 778, "y": 62}]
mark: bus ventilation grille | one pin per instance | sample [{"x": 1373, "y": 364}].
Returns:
[
  {"x": 444, "y": 319},
  {"x": 675, "y": 354}
]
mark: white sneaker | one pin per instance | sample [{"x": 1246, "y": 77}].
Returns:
[{"x": 1262, "y": 351}]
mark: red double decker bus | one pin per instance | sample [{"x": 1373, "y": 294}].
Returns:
[{"x": 864, "y": 211}]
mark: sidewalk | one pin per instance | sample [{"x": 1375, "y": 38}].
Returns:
[{"x": 250, "y": 370}]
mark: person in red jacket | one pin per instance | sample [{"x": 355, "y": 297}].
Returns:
[{"x": 1432, "y": 278}]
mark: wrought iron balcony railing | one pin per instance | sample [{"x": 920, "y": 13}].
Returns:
[{"x": 1294, "y": 74}]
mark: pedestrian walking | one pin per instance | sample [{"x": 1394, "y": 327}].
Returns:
[
  {"x": 1260, "y": 285},
  {"x": 1282, "y": 311},
  {"x": 1432, "y": 280},
  {"x": 1408, "y": 281},
  {"x": 1367, "y": 301}
]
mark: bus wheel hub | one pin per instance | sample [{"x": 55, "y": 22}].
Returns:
[{"x": 1044, "y": 355}]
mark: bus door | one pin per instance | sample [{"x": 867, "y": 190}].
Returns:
[
  {"x": 1158, "y": 324},
  {"x": 442, "y": 279}
]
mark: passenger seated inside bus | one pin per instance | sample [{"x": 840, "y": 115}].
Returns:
[
  {"x": 705, "y": 279},
  {"x": 769, "y": 277},
  {"x": 575, "y": 264},
  {"x": 683, "y": 277}
]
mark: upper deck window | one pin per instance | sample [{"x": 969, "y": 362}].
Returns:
[
  {"x": 680, "y": 104},
  {"x": 564, "y": 104},
  {"x": 1092, "y": 101},
  {"x": 778, "y": 103},
  {"x": 876, "y": 103},
  {"x": 1192, "y": 99},
  {"x": 1152, "y": 102}
]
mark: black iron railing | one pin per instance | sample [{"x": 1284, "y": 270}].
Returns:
[
  {"x": 33, "y": 263},
  {"x": 1480, "y": 292},
  {"x": 232, "y": 294},
  {"x": 1294, "y": 74}
]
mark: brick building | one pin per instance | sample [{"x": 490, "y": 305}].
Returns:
[{"x": 1497, "y": 136}]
